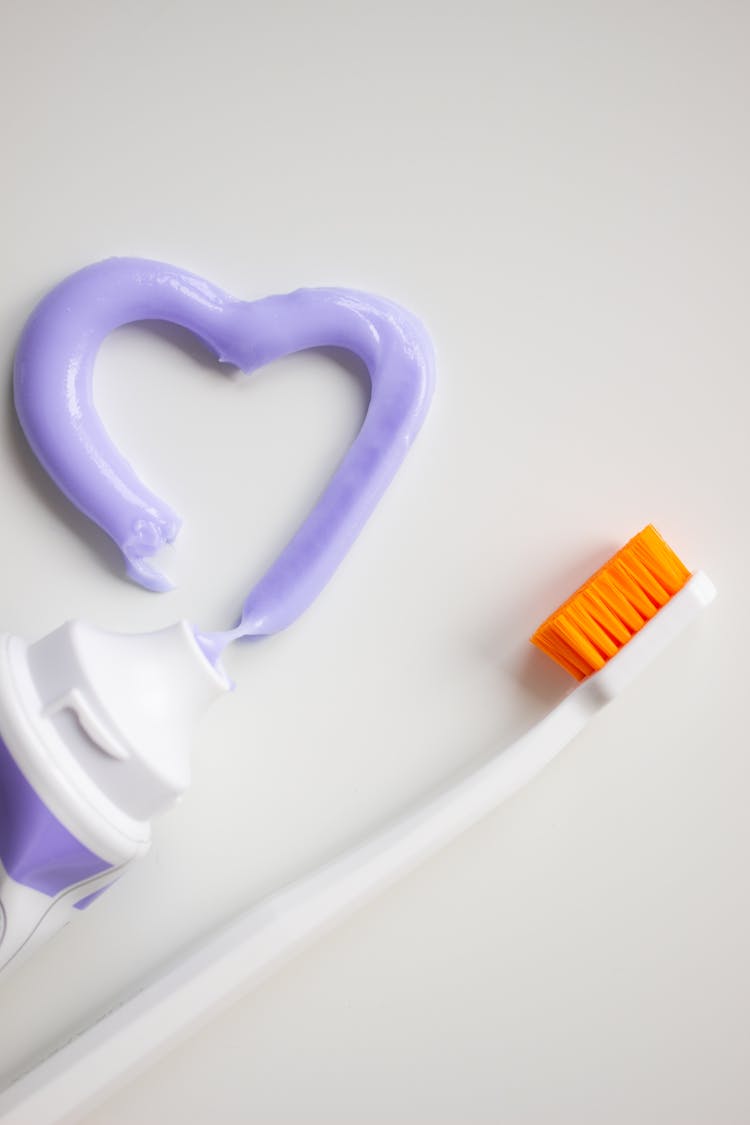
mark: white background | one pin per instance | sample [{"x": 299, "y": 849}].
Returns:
[{"x": 561, "y": 191}]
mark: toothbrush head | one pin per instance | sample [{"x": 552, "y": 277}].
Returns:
[{"x": 595, "y": 623}]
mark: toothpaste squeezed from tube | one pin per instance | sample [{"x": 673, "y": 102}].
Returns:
[{"x": 95, "y": 727}]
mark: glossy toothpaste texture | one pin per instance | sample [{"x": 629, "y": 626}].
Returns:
[{"x": 55, "y": 403}]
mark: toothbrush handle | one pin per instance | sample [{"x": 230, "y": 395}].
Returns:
[{"x": 247, "y": 950}]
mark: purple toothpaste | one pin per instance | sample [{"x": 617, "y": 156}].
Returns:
[{"x": 95, "y": 727}]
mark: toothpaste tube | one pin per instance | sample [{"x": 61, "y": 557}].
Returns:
[{"x": 95, "y": 736}]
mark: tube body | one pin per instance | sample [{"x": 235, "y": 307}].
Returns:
[{"x": 46, "y": 872}]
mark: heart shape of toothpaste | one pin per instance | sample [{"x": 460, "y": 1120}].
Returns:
[{"x": 53, "y": 382}]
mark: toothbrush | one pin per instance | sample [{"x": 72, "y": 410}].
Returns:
[{"x": 604, "y": 635}]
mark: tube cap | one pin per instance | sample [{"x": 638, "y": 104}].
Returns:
[{"x": 124, "y": 707}]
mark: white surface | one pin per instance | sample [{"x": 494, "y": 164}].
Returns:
[{"x": 560, "y": 190}]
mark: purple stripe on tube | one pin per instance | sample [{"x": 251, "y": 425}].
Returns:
[{"x": 35, "y": 849}]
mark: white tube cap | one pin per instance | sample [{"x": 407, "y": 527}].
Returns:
[{"x": 125, "y": 706}]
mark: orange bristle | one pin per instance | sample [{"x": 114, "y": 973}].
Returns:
[{"x": 607, "y": 610}]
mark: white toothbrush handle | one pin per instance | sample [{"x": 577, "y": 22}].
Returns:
[{"x": 241, "y": 954}]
